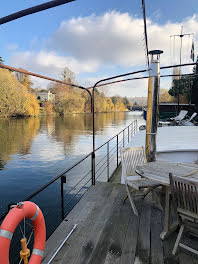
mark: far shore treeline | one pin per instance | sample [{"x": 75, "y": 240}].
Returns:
[
  {"x": 15, "y": 99},
  {"x": 18, "y": 98}
]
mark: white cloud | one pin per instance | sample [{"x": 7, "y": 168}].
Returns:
[
  {"x": 50, "y": 62},
  {"x": 107, "y": 42},
  {"x": 110, "y": 38},
  {"x": 116, "y": 38}
]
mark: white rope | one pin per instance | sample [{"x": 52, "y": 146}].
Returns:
[
  {"x": 21, "y": 230},
  {"x": 30, "y": 237},
  {"x": 20, "y": 205}
]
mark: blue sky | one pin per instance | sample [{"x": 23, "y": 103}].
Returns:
[{"x": 95, "y": 38}]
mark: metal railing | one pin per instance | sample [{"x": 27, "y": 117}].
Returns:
[
  {"x": 103, "y": 161},
  {"x": 73, "y": 185}
]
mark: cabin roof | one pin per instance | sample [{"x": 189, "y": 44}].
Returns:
[{"x": 171, "y": 138}]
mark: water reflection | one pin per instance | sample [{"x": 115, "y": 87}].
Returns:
[
  {"x": 35, "y": 150},
  {"x": 69, "y": 129},
  {"x": 16, "y": 137},
  {"x": 47, "y": 137}
]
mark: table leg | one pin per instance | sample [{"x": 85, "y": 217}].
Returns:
[{"x": 167, "y": 229}]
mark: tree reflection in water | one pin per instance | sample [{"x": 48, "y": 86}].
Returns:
[{"x": 16, "y": 136}]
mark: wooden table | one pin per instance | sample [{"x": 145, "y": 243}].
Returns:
[{"x": 158, "y": 171}]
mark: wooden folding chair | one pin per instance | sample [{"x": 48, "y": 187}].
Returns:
[
  {"x": 130, "y": 158},
  {"x": 185, "y": 199}
]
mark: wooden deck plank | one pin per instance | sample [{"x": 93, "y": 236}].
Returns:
[
  {"x": 185, "y": 258},
  {"x": 109, "y": 233},
  {"x": 109, "y": 241},
  {"x": 76, "y": 216},
  {"x": 169, "y": 243},
  {"x": 116, "y": 177},
  {"x": 143, "y": 243},
  {"x": 93, "y": 237},
  {"x": 168, "y": 247},
  {"x": 195, "y": 259},
  {"x": 157, "y": 254},
  {"x": 118, "y": 237},
  {"x": 185, "y": 255},
  {"x": 71, "y": 250},
  {"x": 194, "y": 244},
  {"x": 130, "y": 243},
  {"x": 112, "y": 258}
]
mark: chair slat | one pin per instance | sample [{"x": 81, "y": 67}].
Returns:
[
  {"x": 185, "y": 198},
  {"x": 185, "y": 193},
  {"x": 131, "y": 158}
]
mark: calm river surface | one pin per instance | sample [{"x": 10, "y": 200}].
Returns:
[{"x": 35, "y": 150}]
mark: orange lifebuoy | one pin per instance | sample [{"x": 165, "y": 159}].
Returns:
[{"x": 14, "y": 217}]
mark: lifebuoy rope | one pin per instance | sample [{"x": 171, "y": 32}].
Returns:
[{"x": 20, "y": 205}]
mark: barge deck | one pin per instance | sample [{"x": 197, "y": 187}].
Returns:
[{"x": 109, "y": 233}]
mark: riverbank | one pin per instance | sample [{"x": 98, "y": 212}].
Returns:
[{"x": 42, "y": 112}]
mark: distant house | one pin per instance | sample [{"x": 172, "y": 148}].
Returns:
[{"x": 45, "y": 96}]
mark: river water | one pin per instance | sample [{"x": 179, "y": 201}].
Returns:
[{"x": 35, "y": 150}]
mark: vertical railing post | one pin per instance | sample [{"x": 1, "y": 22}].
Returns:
[
  {"x": 63, "y": 180},
  {"x": 93, "y": 177},
  {"x": 108, "y": 161},
  {"x": 128, "y": 133},
  {"x": 117, "y": 149},
  {"x": 132, "y": 130},
  {"x": 123, "y": 138},
  {"x": 93, "y": 168}
]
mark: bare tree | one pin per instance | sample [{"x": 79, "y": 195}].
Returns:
[{"x": 67, "y": 74}]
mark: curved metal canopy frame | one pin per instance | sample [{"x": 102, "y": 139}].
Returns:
[
  {"x": 52, "y": 4},
  {"x": 32, "y": 10},
  {"x": 97, "y": 84}
]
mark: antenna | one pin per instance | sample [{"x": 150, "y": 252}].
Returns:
[{"x": 181, "y": 35}]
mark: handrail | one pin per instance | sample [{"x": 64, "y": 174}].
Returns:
[
  {"x": 108, "y": 161},
  {"x": 130, "y": 133},
  {"x": 113, "y": 137},
  {"x": 55, "y": 179}
]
